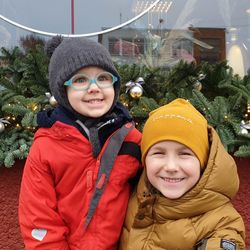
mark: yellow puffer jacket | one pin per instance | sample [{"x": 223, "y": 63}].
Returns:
[{"x": 203, "y": 218}]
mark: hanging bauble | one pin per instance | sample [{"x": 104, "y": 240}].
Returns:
[
  {"x": 2, "y": 127},
  {"x": 134, "y": 88},
  {"x": 136, "y": 92},
  {"x": 3, "y": 122},
  {"x": 201, "y": 76},
  {"x": 140, "y": 80},
  {"x": 244, "y": 131},
  {"x": 52, "y": 101},
  {"x": 51, "y": 98},
  {"x": 244, "y": 128},
  {"x": 197, "y": 85}
]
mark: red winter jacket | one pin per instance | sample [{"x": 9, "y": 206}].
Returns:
[{"x": 58, "y": 184}]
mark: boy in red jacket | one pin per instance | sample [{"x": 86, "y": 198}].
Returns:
[{"x": 75, "y": 185}]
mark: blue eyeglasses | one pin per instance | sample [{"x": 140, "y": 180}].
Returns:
[{"x": 83, "y": 82}]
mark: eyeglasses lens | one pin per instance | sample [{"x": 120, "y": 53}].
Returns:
[{"x": 103, "y": 80}]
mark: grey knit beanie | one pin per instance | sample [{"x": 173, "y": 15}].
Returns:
[{"x": 67, "y": 56}]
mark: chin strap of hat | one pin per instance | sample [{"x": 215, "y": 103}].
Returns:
[{"x": 106, "y": 165}]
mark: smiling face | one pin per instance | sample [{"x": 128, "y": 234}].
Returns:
[
  {"x": 93, "y": 102},
  {"x": 172, "y": 168}
]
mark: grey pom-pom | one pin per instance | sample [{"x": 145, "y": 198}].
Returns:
[{"x": 52, "y": 44}]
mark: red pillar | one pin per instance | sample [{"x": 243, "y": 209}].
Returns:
[{"x": 72, "y": 17}]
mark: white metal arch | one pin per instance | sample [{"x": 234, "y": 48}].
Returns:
[{"x": 81, "y": 35}]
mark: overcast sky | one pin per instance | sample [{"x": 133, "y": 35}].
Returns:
[
  {"x": 91, "y": 16},
  {"x": 54, "y": 16}
]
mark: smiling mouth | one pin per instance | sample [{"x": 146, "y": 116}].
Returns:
[
  {"x": 172, "y": 180},
  {"x": 93, "y": 101}
]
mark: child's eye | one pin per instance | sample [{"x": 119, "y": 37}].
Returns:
[
  {"x": 186, "y": 153},
  {"x": 157, "y": 153},
  {"x": 104, "y": 77},
  {"x": 81, "y": 79}
]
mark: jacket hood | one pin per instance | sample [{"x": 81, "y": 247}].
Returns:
[
  {"x": 46, "y": 119},
  {"x": 218, "y": 184}
]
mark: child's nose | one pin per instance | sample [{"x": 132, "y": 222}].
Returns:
[
  {"x": 170, "y": 164},
  {"x": 93, "y": 87}
]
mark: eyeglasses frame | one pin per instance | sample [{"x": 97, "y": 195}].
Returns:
[{"x": 69, "y": 83}]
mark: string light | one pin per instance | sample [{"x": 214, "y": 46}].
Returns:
[
  {"x": 162, "y": 6},
  {"x": 247, "y": 114},
  {"x": 125, "y": 104},
  {"x": 35, "y": 108},
  {"x": 32, "y": 106}
]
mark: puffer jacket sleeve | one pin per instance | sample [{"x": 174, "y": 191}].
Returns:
[
  {"x": 229, "y": 233},
  {"x": 40, "y": 224},
  {"x": 127, "y": 226}
]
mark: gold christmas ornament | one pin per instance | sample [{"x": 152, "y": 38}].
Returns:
[
  {"x": 197, "y": 85},
  {"x": 136, "y": 92},
  {"x": 134, "y": 88}
]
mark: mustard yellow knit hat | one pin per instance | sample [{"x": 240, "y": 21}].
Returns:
[{"x": 177, "y": 121}]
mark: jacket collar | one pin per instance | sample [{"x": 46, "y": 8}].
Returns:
[
  {"x": 96, "y": 130},
  {"x": 46, "y": 119}
]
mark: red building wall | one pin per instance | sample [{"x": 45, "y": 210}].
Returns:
[{"x": 10, "y": 179}]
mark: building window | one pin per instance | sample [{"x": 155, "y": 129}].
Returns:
[
  {"x": 126, "y": 47},
  {"x": 215, "y": 51},
  {"x": 183, "y": 49},
  {"x": 210, "y": 55}
]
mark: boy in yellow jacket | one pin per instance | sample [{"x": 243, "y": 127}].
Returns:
[{"x": 183, "y": 198}]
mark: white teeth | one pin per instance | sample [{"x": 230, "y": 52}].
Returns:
[
  {"x": 172, "y": 180},
  {"x": 94, "y": 101}
]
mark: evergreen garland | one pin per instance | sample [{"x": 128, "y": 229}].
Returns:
[
  {"x": 222, "y": 99},
  {"x": 23, "y": 83}
]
